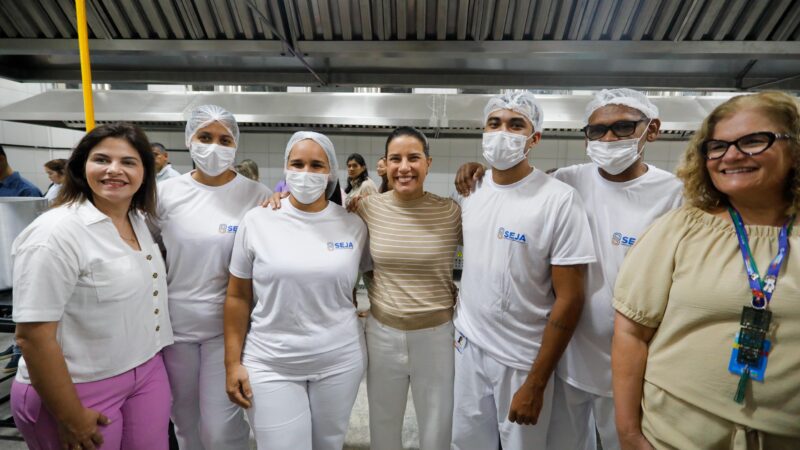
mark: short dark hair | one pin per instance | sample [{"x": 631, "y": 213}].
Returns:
[
  {"x": 159, "y": 146},
  {"x": 2, "y": 152},
  {"x": 76, "y": 188},
  {"x": 352, "y": 184},
  {"x": 56, "y": 165},
  {"x": 408, "y": 131}
]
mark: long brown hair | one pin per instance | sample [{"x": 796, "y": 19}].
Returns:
[{"x": 76, "y": 189}]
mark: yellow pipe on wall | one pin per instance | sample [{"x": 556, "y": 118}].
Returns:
[{"x": 86, "y": 69}]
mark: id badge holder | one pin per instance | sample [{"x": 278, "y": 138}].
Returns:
[
  {"x": 757, "y": 369},
  {"x": 460, "y": 342}
]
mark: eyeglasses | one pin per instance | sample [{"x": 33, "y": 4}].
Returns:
[
  {"x": 749, "y": 144},
  {"x": 621, "y": 129}
]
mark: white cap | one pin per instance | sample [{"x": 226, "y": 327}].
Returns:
[
  {"x": 622, "y": 96},
  {"x": 326, "y": 145},
  {"x": 206, "y": 115},
  {"x": 522, "y": 102}
]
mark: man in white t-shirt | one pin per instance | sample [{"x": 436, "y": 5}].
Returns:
[
  {"x": 623, "y": 196},
  {"x": 526, "y": 244},
  {"x": 164, "y": 170}
]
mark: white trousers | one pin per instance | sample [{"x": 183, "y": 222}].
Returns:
[
  {"x": 305, "y": 414},
  {"x": 203, "y": 415},
  {"x": 422, "y": 359},
  {"x": 576, "y": 413},
  {"x": 484, "y": 389}
]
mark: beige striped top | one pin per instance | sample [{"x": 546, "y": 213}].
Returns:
[{"x": 413, "y": 244}]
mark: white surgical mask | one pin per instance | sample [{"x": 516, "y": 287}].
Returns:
[
  {"x": 504, "y": 150},
  {"x": 212, "y": 159},
  {"x": 615, "y": 156},
  {"x": 306, "y": 187}
]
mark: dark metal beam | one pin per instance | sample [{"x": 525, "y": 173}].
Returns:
[
  {"x": 463, "y": 80},
  {"x": 426, "y": 49}
]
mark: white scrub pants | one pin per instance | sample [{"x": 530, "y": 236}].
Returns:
[
  {"x": 484, "y": 389},
  {"x": 422, "y": 359},
  {"x": 576, "y": 413},
  {"x": 311, "y": 413},
  {"x": 203, "y": 415}
]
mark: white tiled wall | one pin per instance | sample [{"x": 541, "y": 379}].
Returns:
[
  {"x": 267, "y": 150},
  {"x": 28, "y": 147}
]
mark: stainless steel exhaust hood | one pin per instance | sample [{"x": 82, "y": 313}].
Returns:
[{"x": 330, "y": 112}]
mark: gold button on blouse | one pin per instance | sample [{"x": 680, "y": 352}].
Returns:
[
  {"x": 158, "y": 327},
  {"x": 156, "y": 311},
  {"x": 149, "y": 257},
  {"x": 155, "y": 275},
  {"x": 155, "y": 293}
]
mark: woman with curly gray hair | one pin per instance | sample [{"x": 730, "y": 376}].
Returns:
[{"x": 705, "y": 345}]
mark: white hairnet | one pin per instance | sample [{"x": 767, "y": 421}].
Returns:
[
  {"x": 205, "y": 115},
  {"x": 622, "y": 96},
  {"x": 522, "y": 102},
  {"x": 326, "y": 145}
]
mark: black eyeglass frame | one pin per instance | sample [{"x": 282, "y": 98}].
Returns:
[
  {"x": 771, "y": 137},
  {"x": 605, "y": 128}
]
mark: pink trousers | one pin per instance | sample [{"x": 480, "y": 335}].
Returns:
[{"x": 137, "y": 402}]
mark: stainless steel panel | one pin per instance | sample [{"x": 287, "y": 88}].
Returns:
[
  {"x": 265, "y": 111},
  {"x": 16, "y": 213}
]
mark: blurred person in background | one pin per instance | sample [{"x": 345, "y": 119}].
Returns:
[
  {"x": 163, "y": 167},
  {"x": 248, "y": 168},
  {"x": 381, "y": 170},
  {"x": 358, "y": 181},
  {"x": 55, "y": 173},
  {"x": 12, "y": 184}
]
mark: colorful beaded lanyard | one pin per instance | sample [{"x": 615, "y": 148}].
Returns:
[{"x": 751, "y": 346}]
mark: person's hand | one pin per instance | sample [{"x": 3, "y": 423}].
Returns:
[
  {"x": 237, "y": 385},
  {"x": 634, "y": 441},
  {"x": 81, "y": 431},
  {"x": 526, "y": 405},
  {"x": 274, "y": 200},
  {"x": 468, "y": 177},
  {"x": 353, "y": 205}
]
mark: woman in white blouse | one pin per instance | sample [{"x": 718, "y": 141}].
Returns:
[
  {"x": 294, "y": 350},
  {"x": 90, "y": 305}
]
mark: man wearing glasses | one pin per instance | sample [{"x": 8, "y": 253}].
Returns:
[{"x": 623, "y": 196}]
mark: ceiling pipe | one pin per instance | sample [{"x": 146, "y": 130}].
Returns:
[{"x": 86, "y": 70}]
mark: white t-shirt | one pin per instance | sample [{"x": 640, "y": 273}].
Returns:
[
  {"x": 166, "y": 173},
  {"x": 196, "y": 226},
  {"x": 303, "y": 267},
  {"x": 513, "y": 234},
  {"x": 618, "y": 213},
  {"x": 52, "y": 193},
  {"x": 110, "y": 301}
]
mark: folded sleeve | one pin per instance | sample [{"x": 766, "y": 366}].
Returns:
[
  {"x": 44, "y": 280},
  {"x": 242, "y": 256},
  {"x": 645, "y": 279},
  {"x": 572, "y": 238}
]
